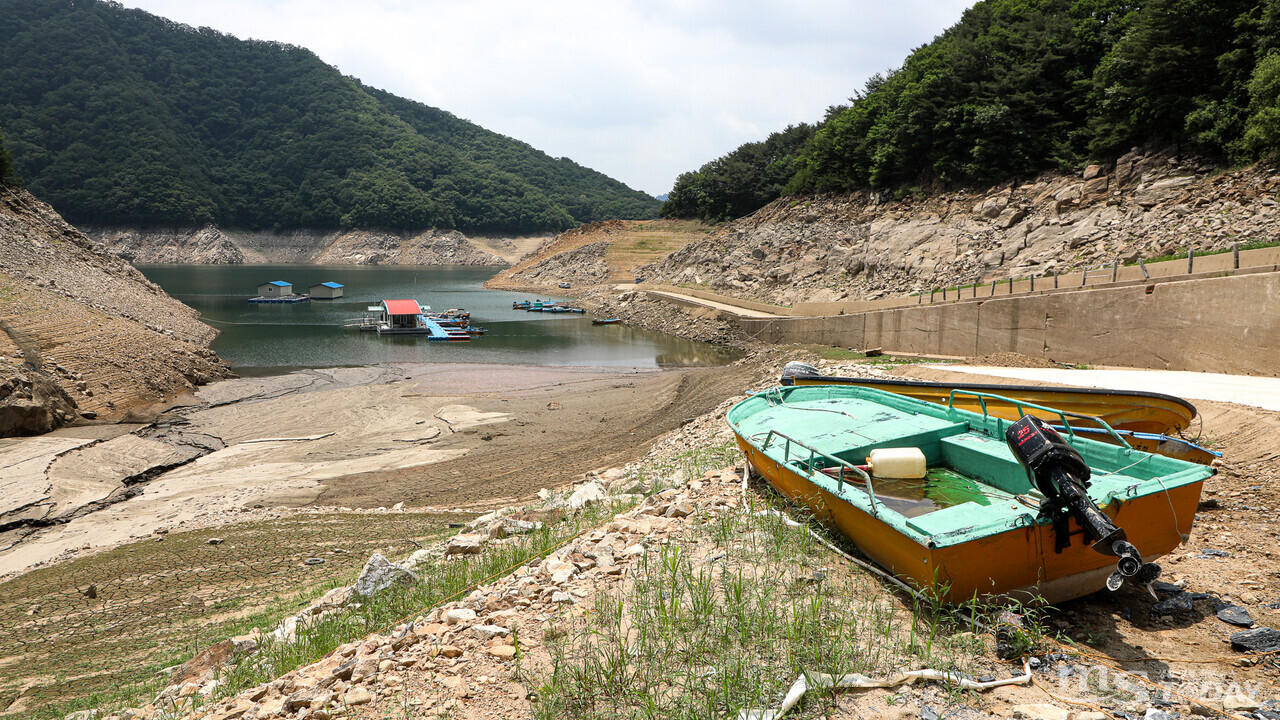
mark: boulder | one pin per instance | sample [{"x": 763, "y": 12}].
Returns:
[
  {"x": 379, "y": 574},
  {"x": 465, "y": 544},
  {"x": 589, "y": 493}
]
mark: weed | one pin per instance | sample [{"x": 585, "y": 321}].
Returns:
[{"x": 698, "y": 637}]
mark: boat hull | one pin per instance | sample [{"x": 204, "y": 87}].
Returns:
[{"x": 1019, "y": 563}]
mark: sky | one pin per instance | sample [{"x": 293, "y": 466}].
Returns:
[{"x": 641, "y": 90}]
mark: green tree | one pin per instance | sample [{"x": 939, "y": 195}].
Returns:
[
  {"x": 1262, "y": 130},
  {"x": 117, "y": 116},
  {"x": 6, "y": 163}
]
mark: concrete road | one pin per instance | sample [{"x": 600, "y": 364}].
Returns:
[{"x": 1262, "y": 392}]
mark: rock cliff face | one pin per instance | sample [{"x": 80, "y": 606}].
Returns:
[
  {"x": 83, "y": 332},
  {"x": 585, "y": 265},
  {"x": 862, "y": 246},
  {"x": 212, "y": 246}
]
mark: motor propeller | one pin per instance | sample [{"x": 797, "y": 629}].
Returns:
[{"x": 1063, "y": 476}]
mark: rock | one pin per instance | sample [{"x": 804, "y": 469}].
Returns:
[
  {"x": 502, "y": 652},
  {"x": 1235, "y": 615},
  {"x": 459, "y": 615},
  {"x": 560, "y": 597},
  {"x": 545, "y": 494},
  {"x": 450, "y": 651},
  {"x": 1182, "y": 602},
  {"x": 589, "y": 493},
  {"x": 1040, "y": 711},
  {"x": 465, "y": 544},
  {"x": 485, "y": 633},
  {"x": 1154, "y": 714},
  {"x": 379, "y": 574},
  {"x": 1238, "y": 703},
  {"x": 1162, "y": 191},
  {"x": 1212, "y": 553},
  {"x": 679, "y": 510},
  {"x": 1257, "y": 640},
  {"x": 357, "y": 696}
]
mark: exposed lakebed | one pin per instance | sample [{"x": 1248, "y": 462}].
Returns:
[{"x": 260, "y": 339}]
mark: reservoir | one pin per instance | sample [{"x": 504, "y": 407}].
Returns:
[{"x": 262, "y": 339}]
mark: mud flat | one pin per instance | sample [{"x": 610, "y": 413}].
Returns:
[{"x": 428, "y": 436}]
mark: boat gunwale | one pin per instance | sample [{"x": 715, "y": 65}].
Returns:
[{"x": 1004, "y": 389}]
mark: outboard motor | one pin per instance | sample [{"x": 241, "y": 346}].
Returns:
[{"x": 1062, "y": 476}]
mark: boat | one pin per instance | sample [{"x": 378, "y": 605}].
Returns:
[
  {"x": 1143, "y": 419},
  {"x": 990, "y": 518},
  {"x": 605, "y": 321}
]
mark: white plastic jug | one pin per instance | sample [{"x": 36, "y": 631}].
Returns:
[{"x": 897, "y": 462}]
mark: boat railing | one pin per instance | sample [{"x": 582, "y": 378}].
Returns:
[
  {"x": 811, "y": 461},
  {"x": 1021, "y": 404}
]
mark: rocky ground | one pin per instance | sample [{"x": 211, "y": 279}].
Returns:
[
  {"x": 863, "y": 246},
  {"x": 84, "y": 333},
  {"x": 486, "y": 655}
]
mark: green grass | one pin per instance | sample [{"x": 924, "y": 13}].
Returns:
[
  {"x": 442, "y": 580},
  {"x": 1182, "y": 254},
  {"x": 156, "y": 604},
  {"x": 692, "y": 638}
]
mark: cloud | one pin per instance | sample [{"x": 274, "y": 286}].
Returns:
[{"x": 641, "y": 90}]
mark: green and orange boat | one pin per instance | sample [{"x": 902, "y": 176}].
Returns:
[{"x": 1005, "y": 508}]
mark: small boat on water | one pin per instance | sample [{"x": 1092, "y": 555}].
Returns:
[
  {"x": 605, "y": 321},
  {"x": 1003, "y": 508},
  {"x": 1143, "y": 419}
]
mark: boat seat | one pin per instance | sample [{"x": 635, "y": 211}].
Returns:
[
  {"x": 967, "y": 516},
  {"x": 986, "y": 460}
]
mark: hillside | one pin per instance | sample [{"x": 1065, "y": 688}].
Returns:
[
  {"x": 84, "y": 333},
  {"x": 121, "y": 118},
  {"x": 1020, "y": 87},
  {"x": 598, "y": 253},
  {"x": 860, "y": 246}
]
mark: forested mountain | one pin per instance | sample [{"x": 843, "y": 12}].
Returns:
[
  {"x": 6, "y": 162},
  {"x": 1021, "y": 86},
  {"x": 119, "y": 117}
]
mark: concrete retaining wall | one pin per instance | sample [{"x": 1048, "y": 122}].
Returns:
[{"x": 1213, "y": 324}]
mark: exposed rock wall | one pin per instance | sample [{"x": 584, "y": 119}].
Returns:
[
  {"x": 88, "y": 323},
  {"x": 585, "y": 265},
  {"x": 212, "y": 246},
  {"x": 861, "y": 246}
]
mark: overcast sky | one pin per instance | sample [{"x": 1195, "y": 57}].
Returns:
[{"x": 641, "y": 90}]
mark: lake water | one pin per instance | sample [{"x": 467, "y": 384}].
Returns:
[{"x": 260, "y": 339}]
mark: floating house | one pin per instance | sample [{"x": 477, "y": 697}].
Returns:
[
  {"x": 277, "y": 291},
  {"x": 275, "y": 288},
  {"x": 406, "y": 317},
  {"x": 401, "y": 316},
  {"x": 326, "y": 291}
]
